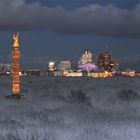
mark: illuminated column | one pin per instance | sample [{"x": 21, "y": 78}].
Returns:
[{"x": 16, "y": 69}]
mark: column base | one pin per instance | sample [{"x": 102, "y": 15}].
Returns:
[{"x": 19, "y": 97}]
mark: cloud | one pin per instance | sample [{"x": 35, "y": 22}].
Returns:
[{"x": 100, "y": 20}]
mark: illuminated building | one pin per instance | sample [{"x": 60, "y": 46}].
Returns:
[
  {"x": 104, "y": 61},
  {"x": 100, "y": 74},
  {"x": 64, "y": 65},
  {"x": 114, "y": 65},
  {"x": 88, "y": 67},
  {"x": 51, "y": 66},
  {"x": 5, "y": 68},
  {"x": 137, "y": 73},
  {"x": 15, "y": 70},
  {"x": 71, "y": 73},
  {"x": 129, "y": 73},
  {"x": 86, "y": 57}
]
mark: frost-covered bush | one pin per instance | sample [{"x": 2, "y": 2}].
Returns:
[
  {"x": 31, "y": 134},
  {"x": 127, "y": 94},
  {"x": 78, "y": 96}
]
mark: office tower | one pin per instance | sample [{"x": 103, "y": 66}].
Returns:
[
  {"x": 104, "y": 61},
  {"x": 87, "y": 57}
]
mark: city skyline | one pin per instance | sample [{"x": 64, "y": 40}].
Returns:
[{"x": 51, "y": 37}]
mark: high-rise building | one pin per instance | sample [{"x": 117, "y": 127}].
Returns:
[
  {"x": 64, "y": 65},
  {"x": 87, "y": 57},
  {"x": 51, "y": 66},
  {"x": 104, "y": 61}
]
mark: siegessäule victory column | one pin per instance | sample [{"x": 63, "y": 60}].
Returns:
[{"x": 15, "y": 70}]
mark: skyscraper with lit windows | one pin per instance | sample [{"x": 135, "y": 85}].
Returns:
[{"x": 87, "y": 57}]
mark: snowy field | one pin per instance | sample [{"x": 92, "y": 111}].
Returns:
[{"x": 71, "y": 109}]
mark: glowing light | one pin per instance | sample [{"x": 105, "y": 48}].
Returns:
[
  {"x": 51, "y": 63},
  {"x": 88, "y": 67},
  {"x": 15, "y": 66},
  {"x": 104, "y": 75},
  {"x": 16, "y": 40}
]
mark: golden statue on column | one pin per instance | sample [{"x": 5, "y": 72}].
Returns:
[
  {"x": 16, "y": 40},
  {"x": 15, "y": 70},
  {"x": 15, "y": 66}
]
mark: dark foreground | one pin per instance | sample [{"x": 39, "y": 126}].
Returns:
[{"x": 71, "y": 109}]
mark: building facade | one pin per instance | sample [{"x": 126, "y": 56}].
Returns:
[
  {"x": 4, "y": 68},
  {"x": 64, "y": 65},
  {"x": 106, "y": 63},
  {"x": 87, "y": 57},
  {"x": 51, "y": 66}
]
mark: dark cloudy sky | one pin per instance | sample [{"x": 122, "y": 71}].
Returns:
[{"x": 63, "y": 29}]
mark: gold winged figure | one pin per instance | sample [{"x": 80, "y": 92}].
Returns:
[{"x": 16, "y": 40}]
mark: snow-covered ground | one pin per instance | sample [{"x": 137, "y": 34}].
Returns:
[{"x": 59, "y": 108}]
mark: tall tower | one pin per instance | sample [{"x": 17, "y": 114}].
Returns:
[
  {"x": 104, "y": 61},
  {"x": 16, "y": 69},
  {"x": 87, "y": 57}
]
